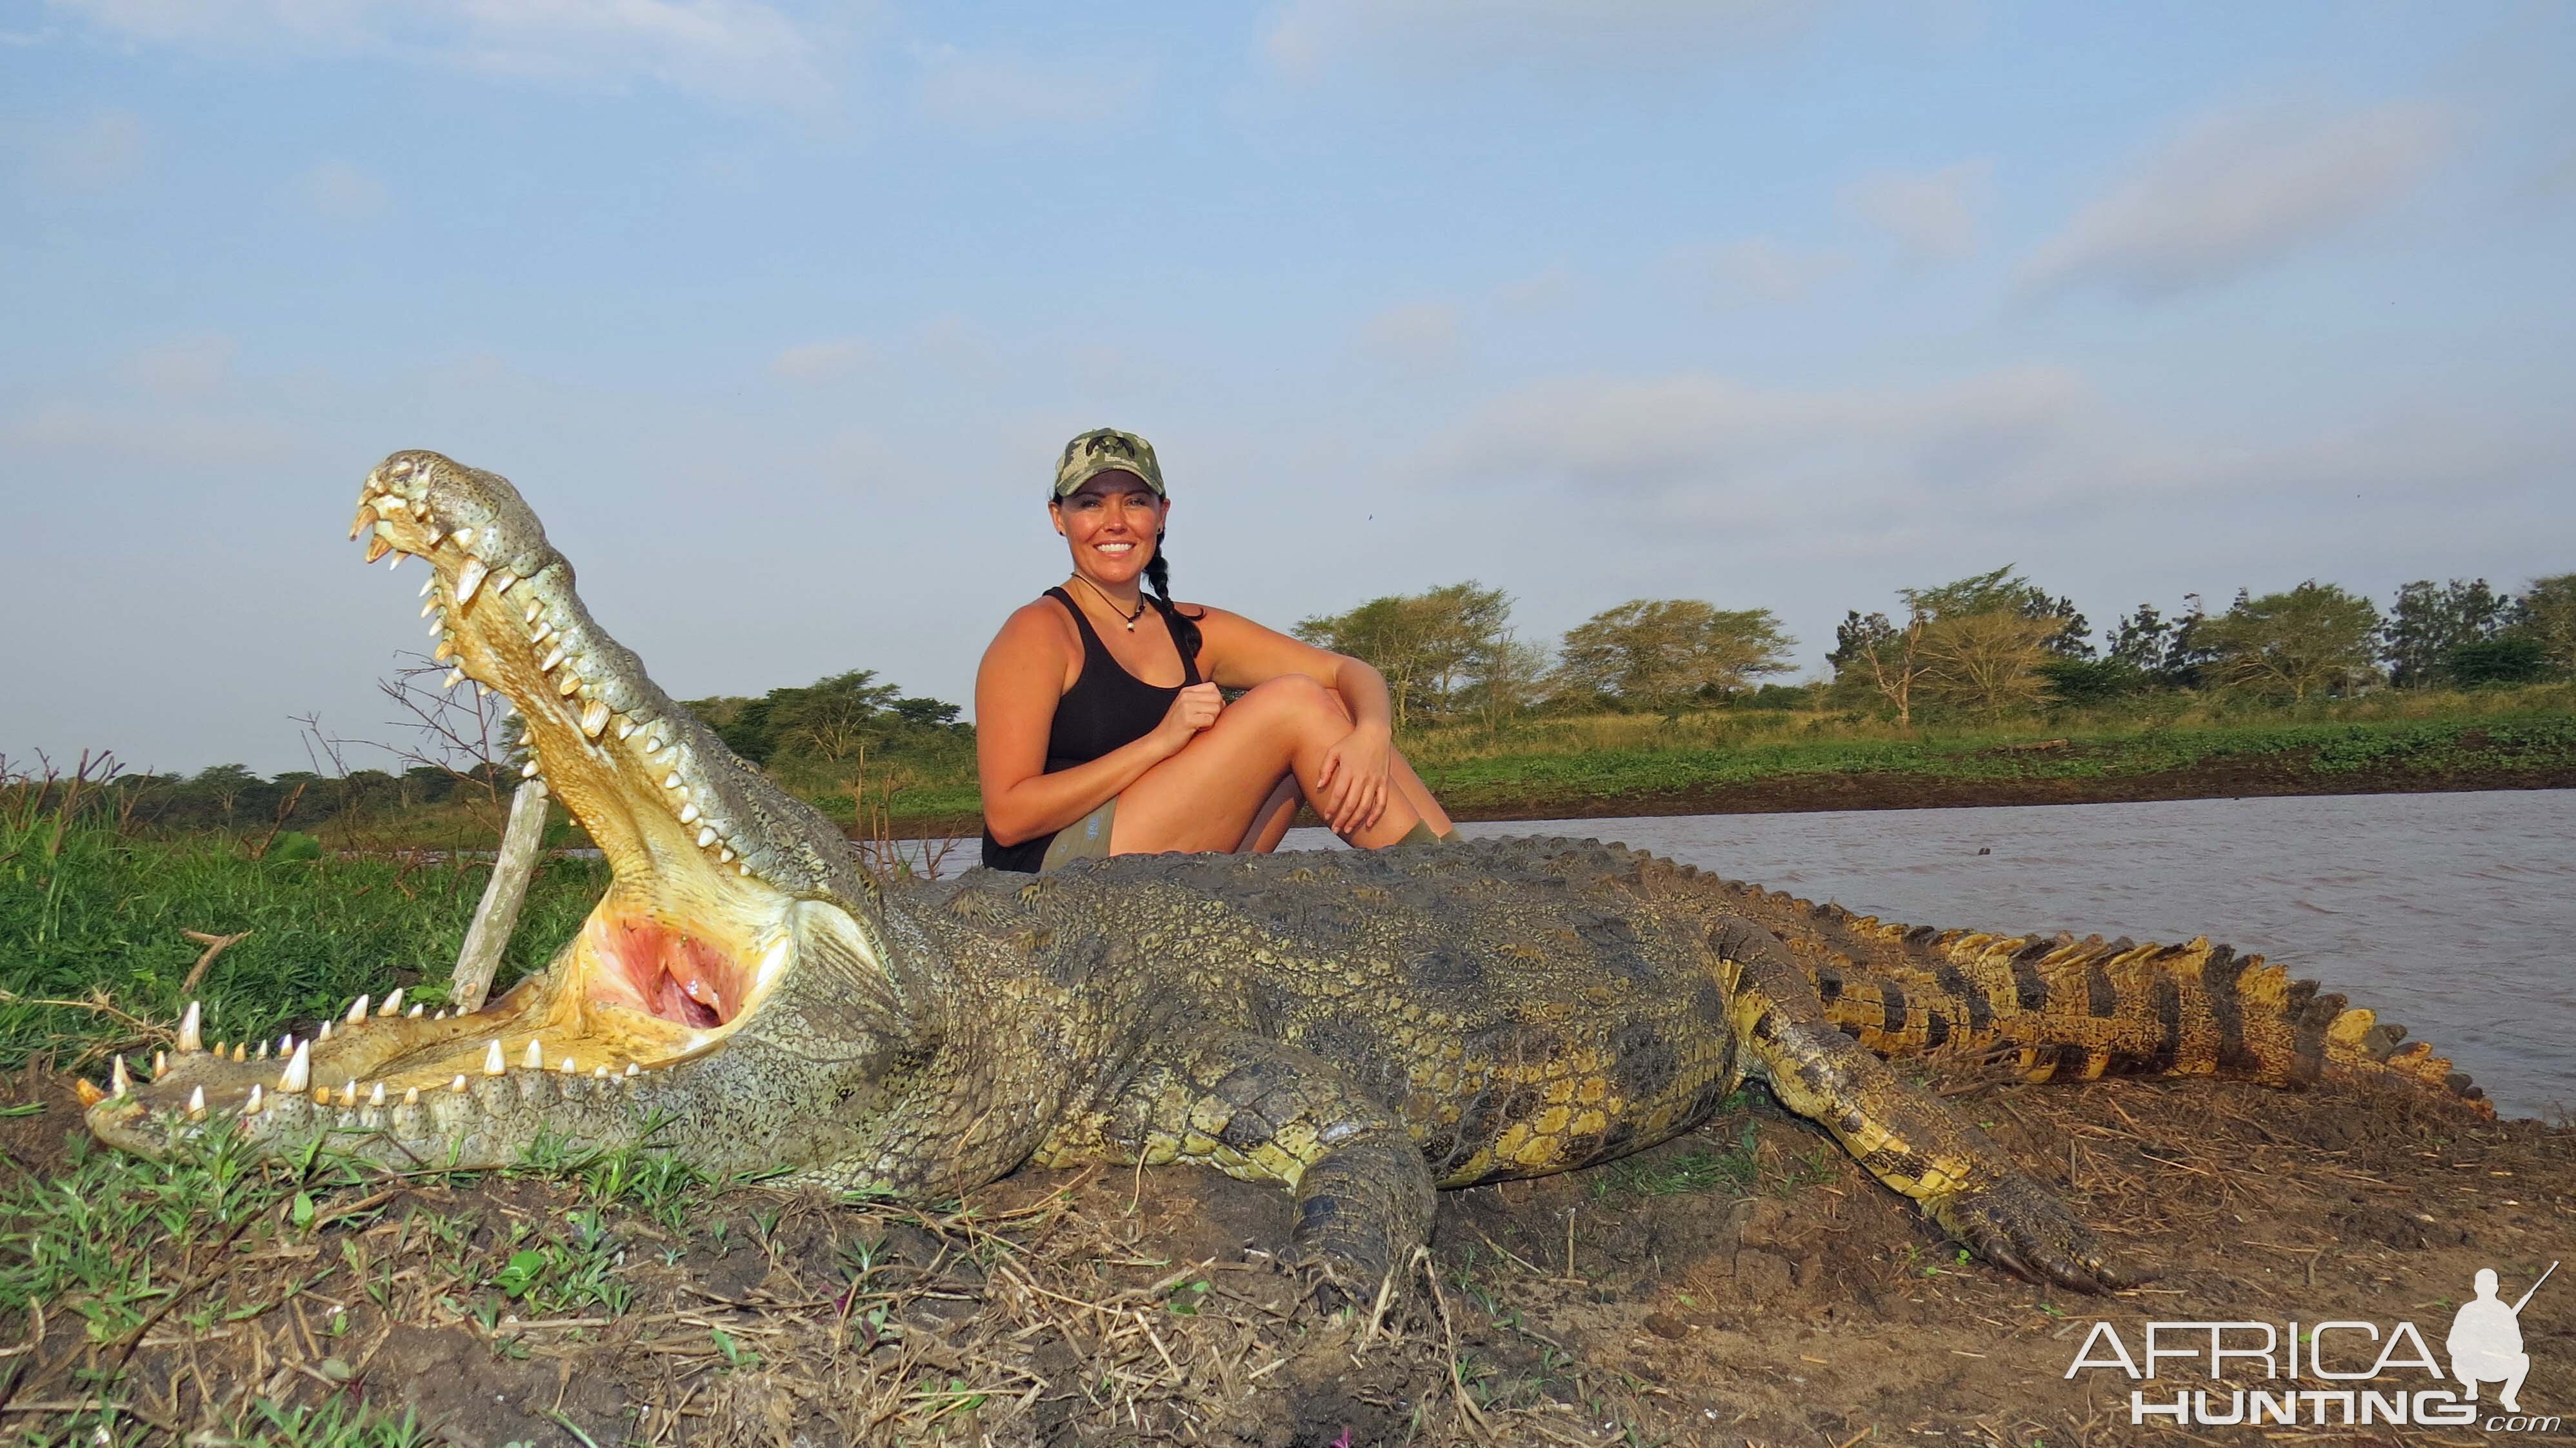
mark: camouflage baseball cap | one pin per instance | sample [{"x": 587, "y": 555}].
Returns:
[{"x": 1106, "y": 450}]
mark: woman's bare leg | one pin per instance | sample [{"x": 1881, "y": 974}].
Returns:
[
  {"x": 1270, "y": 822},
  {"x": 1206, "y": 796},
  {"x": 1418, "y": 795}
]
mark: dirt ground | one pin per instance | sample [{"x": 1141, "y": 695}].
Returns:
[{"x": 1745, "y": 1285}]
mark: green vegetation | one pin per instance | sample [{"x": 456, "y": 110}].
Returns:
[{"x": 94, "y": 922}]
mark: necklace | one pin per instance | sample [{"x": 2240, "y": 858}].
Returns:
[{"x": 1128, "y": 618}]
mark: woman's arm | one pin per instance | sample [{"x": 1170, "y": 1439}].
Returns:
[
  {"x": 1356, "y": 777},
  {"x": 1016, "y": 688}
]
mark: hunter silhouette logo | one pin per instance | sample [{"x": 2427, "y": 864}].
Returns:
[
  {"x": 2365, "y": 1375},
  {"x": 2486, "y": 1341}
]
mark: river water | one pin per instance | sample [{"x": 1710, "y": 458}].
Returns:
[{"x": 2454, "y": 914}]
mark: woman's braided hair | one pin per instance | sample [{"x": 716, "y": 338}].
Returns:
[{"x": 1158, "y": 573}]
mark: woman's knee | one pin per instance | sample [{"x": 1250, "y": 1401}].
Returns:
[{"x": 1294, "y": 699}]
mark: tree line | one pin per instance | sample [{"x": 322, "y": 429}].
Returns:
[
  {"x": 813, "y": 735},
  {"x": 1990, "y": 644}
]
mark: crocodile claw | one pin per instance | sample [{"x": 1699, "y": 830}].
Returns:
[{"x": 2015, "y": 1223}]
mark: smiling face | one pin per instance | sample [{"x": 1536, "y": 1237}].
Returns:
[{"x": 1111, "y": 524}]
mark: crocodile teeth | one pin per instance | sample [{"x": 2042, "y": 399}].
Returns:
[
  {"x": 534, "y": 608},
  {"x": 118, "y": 1082},
  {"x": 357, "y": 1010},
  {"x": 568, "y": 1068},
  {"x": 458, "y": 1084},
  {"x": 191, "y": 1027},
  {"x": 464, "y": 537},
  {"x": 625, "y": 728},
  {"x": 502, "y": 582},
  {"x": 594, "y": 718},
  {"x": 553, "y": 657},
  {"x": 262, "y": 1053},
  {"x": 725, "y": 856},
  {"x": 673, "y": 781},
  {"x": 396, "y": 561},
  {"x": 688, "y": 814},
  {"x": 571, "y": 683},
  {"x": 493, "y": 1065},
  {"x": 160, "y": 1064},
  {"x": 426, "y": 584},
  {"x": 197, "y": 1104},
  {"x": 454, "y": 678},
  {"x": 393, "y": 1003},
  {"x": 377, "y": 547},
  {"x": 286, "y": 1044},
  {"x": 536, "y": 1058},
  {"x": 325, "y": 1033},
  {"x": 746, "y": 869},
  {"x": 414, "y": 1013},
  {"x": 377, "y": 1096},
  {"x": 470, "y": 578},
  {"x": 430, "y": 607},
  {"x": 241, "y": 1050},
  {"x": 412, "y": 1097},
  {"x": 349, "y": 1093},
  {"x": 601, "y": 1074},
  {"x": 706, "y": 836},
  {"x": 253, "y": 1104},
  {"x": 366, "y": 515},
  {"x": 528, "y": 770},
  {"x": 634, "y": 1070},
  {"x": 446, "y": 647},
  {"x": 437, "y": 627}
]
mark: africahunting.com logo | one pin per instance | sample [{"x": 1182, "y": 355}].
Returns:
[{"x": 2370, "y": 1375}]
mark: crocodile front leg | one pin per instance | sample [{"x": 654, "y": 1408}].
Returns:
[
  {"x": 1262, "y": 1111},
  {"x": 1907, "y": 1139}
]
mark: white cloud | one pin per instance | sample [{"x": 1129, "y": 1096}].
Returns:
[
  {"x": 738, "y": 50},
  {"x": 94, "y": 154},
  {"x": 182, "y": 366},
  {"x": 1931, "y": 214},
  {"x": 1759, "y": 269},
  {"x": 87, "y": 435},
  {"x": 1643, "y": 437},
  {"x": 1412, "y": 335},
  {"x": 819, "y": 361},
  {"x": 339, "y": 191},
  {"x": 2240, "y": 189},
  {"x": 988, "y": 92},
  {"x": 1311, "y": 35},
  {"x": 1549, "y": 288}
]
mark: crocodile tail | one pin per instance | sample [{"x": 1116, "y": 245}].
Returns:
[{"x": 2061, "y": 1008}]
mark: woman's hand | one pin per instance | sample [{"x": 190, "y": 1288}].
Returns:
[
  {"x": 1354, "y": 779},
  {"x": 1193, "y": 709}
]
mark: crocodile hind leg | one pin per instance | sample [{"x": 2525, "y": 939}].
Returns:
[
  {"x": 1262, "y": 1111},
  {"x": 1905, "y": 1138}
]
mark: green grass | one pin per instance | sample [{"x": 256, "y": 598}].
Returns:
[{"x": 92, "y": 915}]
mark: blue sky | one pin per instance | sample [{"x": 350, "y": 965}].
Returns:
[{"x": 777, "y": 314}]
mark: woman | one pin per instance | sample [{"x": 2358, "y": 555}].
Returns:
[{"x": 1099, "y": 728}]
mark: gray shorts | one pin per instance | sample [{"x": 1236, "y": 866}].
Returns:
[{"x": 1085, "y": 839}]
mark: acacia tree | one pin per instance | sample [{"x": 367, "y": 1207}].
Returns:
[
  {"x": 1662, "y": 653},
  {"x": 1887, "y": 656},
  {"x": 2314, "y": 637},
  {"x": 1989, "y": 662},
  {"x": 1433, "y": 647}
]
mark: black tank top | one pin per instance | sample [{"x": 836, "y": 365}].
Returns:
[{"x": 1107, "y": 709}]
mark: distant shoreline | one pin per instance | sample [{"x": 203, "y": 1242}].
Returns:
[{"x": 1819, "y": 792}]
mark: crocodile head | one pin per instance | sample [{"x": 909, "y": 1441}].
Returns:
[{"x": 738, "y": 965}]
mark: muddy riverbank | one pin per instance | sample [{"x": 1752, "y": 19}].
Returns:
[{"x": 1746, "y": 1284}]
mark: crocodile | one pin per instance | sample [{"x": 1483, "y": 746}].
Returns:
[{"x": 1360, "y": 1028}]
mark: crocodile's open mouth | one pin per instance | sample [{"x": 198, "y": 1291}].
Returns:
[{"x": 691, "y": 937}]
